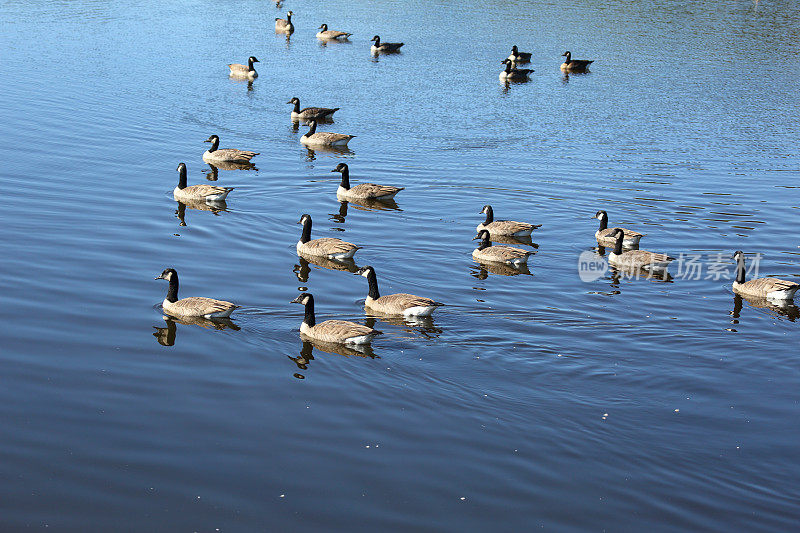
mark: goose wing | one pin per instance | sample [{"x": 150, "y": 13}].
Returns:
[
  {"x": 764, "y": 286},
  {"x": 402, "y": 301},
  {"x": 509, "y": 227},
  {"x": 199, "y": 306},
  {"x": 333, "y": 34},
  {"x": 238, "y": 67},
  {"x": 629, "y": 234},
  {"x": 504, "y": 253},
  {"x": 326, "y": 137},
  {"x": 642, "y": 258},
  {"x": 341, "y": 330},
  {"x": 232, "y": 154},
  {"x": 373, "y": 190},
  {"x": 328, "y": 245},
  {"x": 317, "y": 111},
  {"x": 202, "y": 191}
]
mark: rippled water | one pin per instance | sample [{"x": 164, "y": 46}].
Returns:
[{"x": 533, "y": 400}]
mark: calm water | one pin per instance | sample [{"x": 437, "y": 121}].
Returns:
[{"x": 531, "y": 401}]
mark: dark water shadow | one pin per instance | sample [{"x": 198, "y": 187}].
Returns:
[
  {"x": 775, "y": 308},
  {"x": 481, "y": 269},
  {"x": 303, "y": 269},
  {"x": 422, "y": 325},
  {"x": 215, "y": 208},
  {"x": 166, "y": 335}
]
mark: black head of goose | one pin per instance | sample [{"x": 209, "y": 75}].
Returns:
[
  {"x": 192, "y": 306},
  {"x": 769, "y": 288},
  {"x": 395, "y": 304},
  {"x": 574, "y": 65},
  {"x": 339, "y": 331},
  {"x": 362, "y": 191}
]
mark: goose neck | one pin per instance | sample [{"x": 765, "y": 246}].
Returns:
[
  {"x": 489, "y": 210},
  {"x": 618, "y": 243},
  {"x": 306, "y": 235},
  {"x": 296, "y": 105},
  {"x": 309, "y": 319},
  {"x": 485, "y": 242},
  {"x": 345, "y": 178},
  {"x": 372, "y": 279},
  {"x": 214, "y": 145},
  {"x": 603, "y": 222},
  {"x": 740, "y": 269},
  {"x": 172, "y": 291},
  {"x": 182, "y": 177}
]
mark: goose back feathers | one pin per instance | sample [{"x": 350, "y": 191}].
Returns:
[
  {"x": 504, "y": 227},
  {"x": 308, "y": 113},
  {"x": 325, "y": 33},
  {"x": 323, "y": 138}
]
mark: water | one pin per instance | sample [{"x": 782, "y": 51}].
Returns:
[{"x": 531, "y": 400}]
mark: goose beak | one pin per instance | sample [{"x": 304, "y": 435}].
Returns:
[
  {"x": 289, "y": 102},
  {"x": 296, "y": 300},
  {"x": 159, "y": 277},
  {"x": 207, "y": 141},
  {"x": 334, "y": 170},
  {"x": 476, "y": 237}
]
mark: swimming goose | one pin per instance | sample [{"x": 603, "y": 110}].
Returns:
[
  {"x": 316, "y": 113},
  {"x": 340, "y": 331},
  {"x": 244, "y": 71},
  {"x": 208, "y": 193},
  {"x": 512, "y": 73},
  {"x": 605, "y": 235},
  {"x": 325, "y": 33},
  {"x": 771, "y": 288},
  {"x": 395, "y": 304},
  {"x": 193, "y": 306},
  {"x": 284, "y": 26},
  {"x": 574, "y": 65},
  {"x": 215, "y": 153},
  {"x": 323, "y": 138},
  {"x": 362, "y": 191},
  {"x": 328, "y": 247},
  {"x": 384, "y": 47},
  {"x": 636, "y": 258},
  {"x": 519, "y": 57},
  {"x": 498, "y": 254},
  {"x": 504, "y": 227}
]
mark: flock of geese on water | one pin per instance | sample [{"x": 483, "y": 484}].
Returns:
[{"x": 625, "y": 254}]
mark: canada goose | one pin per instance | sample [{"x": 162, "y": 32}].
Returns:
[
  {"x": 328, "y": 247},
  {"x": 504, "y": 227},
  {"x": 362, "y": 191},
  {"x": 284, "y": 26},
  {"x": 605, "y": 235},
  {"x": 384, "y": 47},
  {"x": 519, "y": 57},
  {"x": 574, "y": 65},
  {"x": 208, "y": 193},
  {"x": 341, "y": 331},
  {"x": 771, "y": 288},
  {"x": 395, "y": 304},
  {"x": 244, "y": 71},
  {"x": 316, "y": 113},
  {"x": 512, "y": 73},
  {"x": 193, "y": 306},
  {"x": 327, "y": 34},
  {"x": 323, "y": 138},
  {"x": 215, "y": 153},
  {"x": 498, "y": 254},
  {"x": 636, "y": 258}
]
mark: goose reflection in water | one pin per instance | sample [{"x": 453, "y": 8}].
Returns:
[
  {"x": 482, "y": 270},
  {"x": 212, "y": 174},
  {"x": 659, "y": 276},
  {"x": 216, "y": 208},
  {"x": 303, "y": 270},
  {"x": 362, "y": 205},
  {"x": 345, "y": 350},
  {"x": 166, "y": 336},
  {"x": 776, "y": 308},
  {"x": 311, "y": 153},
  {"x": 423, "y": 325},
  {"x": 512, "y": 240}
]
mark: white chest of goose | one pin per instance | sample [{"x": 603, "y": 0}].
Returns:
[
  {"x": 193, "y": 306},
  {"x": 362, "y": 191},
  {"x": 215, "y": 154},
  {"x": 192, "y": 193},
  {"x": 338, "y": 331},
  {"x": 328, "y": 247},
  {"x": 504, "y": 227},
  {"x": 769, "y": 288},
  {"x": 323, "y": 138},
  {"x": 237, "y": 70},
  {"x": 498, "y": 254},
  {"x": 634, "y": 259},
  {"x": 395, "y": 304}
]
